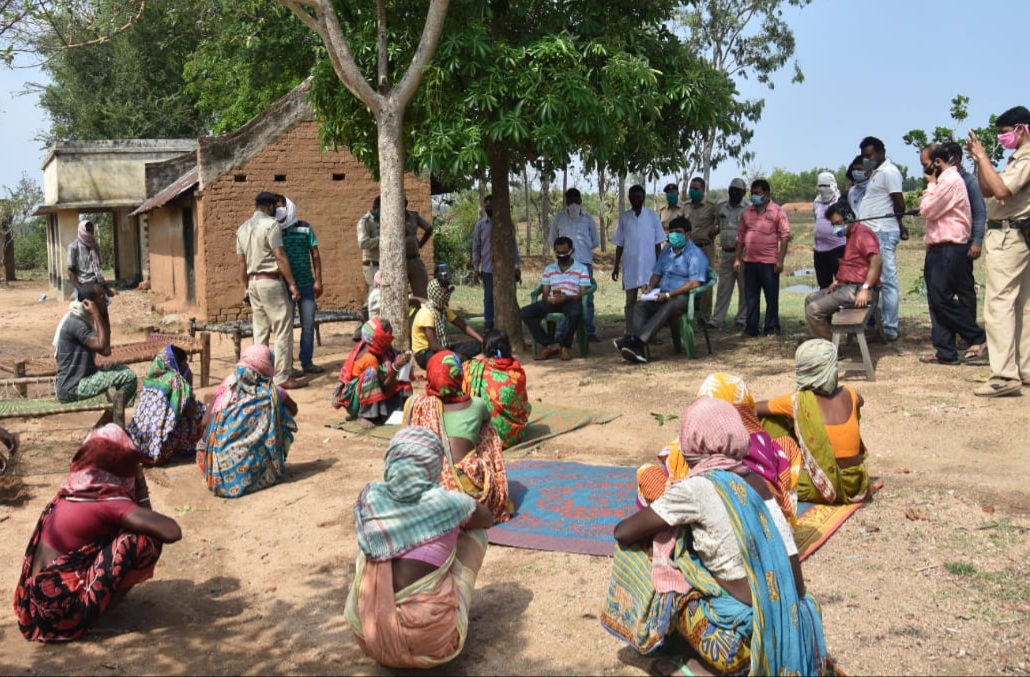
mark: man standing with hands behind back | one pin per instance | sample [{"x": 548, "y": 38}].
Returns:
[
  {"x": 264, "y": 268},
  {"x": 704, "y": 218},
  {"x": 1007, "y": 255}
]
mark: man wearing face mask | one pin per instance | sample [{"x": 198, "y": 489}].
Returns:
[
  {"x": 368, "y": 242},
  {"x": 859, "y": 182},
  {"x": 575, "y": 224},
  {"x": 483, "y": 262},
  {"x": 858, "y": 273},
  {"x": 761, "y": 247},
  {"x": 828, "y": 247},
  {"x": 704, "y": 217},
  {"x": 948, "y": 270},
  {"x": 1007, "y": 255},
  {"x": 883, "y": 196},
  {"x": 264, "y": 268},
  {"x": 680, "y": 268},
  {"x": 301, "y": 247},
  {"x": 672, "y": 207},
  {"x": 729, "y": 220},
  {"x": 639, "y": 235},
  {"x": 564, "y": 283}
]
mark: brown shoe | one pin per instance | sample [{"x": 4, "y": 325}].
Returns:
[
  {"x": 548, "y": 352},
  {"x": 566, "y": 353},
  {"x": 292, "y": 384}
]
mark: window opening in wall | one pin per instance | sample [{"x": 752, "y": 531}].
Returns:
[
  {"x": 239, "y": 178},
  {"x": 339, "y": 177},
  {"x": 279, "y": 178}
]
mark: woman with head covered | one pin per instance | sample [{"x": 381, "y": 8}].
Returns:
[
  {"x": 714, "y": 560},
  {"x": 823, "y": 417}
]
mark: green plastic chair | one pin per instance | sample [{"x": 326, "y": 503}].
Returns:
[
  {"x": 682, "y": 326},
  {"x": 553, "y": 319}
]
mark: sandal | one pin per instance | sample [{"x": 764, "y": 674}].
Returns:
[
  {"x": 975, "y": 355},
  {"x": 931, "y": 358}
]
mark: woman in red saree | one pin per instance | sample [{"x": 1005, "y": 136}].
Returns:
[
  {"x": 473, "y": 458},
  {"x": 369, "y": 388},
  {"x": 96, "y": 539}
]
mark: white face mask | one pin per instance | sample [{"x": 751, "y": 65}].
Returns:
[
  {"x": 826, "y": 193},
  {"x": 280, "y": 214},
  {"x": 574, "y": 211}
]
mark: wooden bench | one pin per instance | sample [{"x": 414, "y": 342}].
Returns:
[
  {"x": 126, "y": 353},
  {"x": 850, "y": 322},
  {"x": 240, "y": 329},
  {"x": 15, "y": 402}
]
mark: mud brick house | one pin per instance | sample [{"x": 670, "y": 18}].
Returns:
[{"x": 198, "y": 199}]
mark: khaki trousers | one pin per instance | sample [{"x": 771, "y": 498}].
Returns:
[
  {"x": 706, "y": 300},
  {"x": 724, "y": 291},
  {"x": 273, "y": 323},
  {"x": 1007, "y": 303}
]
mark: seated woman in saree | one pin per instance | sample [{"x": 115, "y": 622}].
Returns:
[
  {"x": 168, "y": 420},
  {"x": 96, "y": 540},
  {"x": 714, "y": 560},
  {"x": 429, "y": 328},
  {"x": 823, "y": 417},
  {"x": 420, "y": 550},
  {"x": 778, "y": 461},
  {"x": 473, "y": 460},
  {"x": 251, "y": 429},
  {"x": 499, "y": 378},
  {"x": 369, "y": 387}
]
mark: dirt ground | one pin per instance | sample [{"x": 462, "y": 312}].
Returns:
[{"x": 931, "y": 578}]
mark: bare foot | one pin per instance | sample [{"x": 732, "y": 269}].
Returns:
[
  {"x": 292, "y": 383},
  {"x": 365, "y": 423}
]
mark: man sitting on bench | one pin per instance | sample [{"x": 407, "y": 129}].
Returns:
[
  {"x": 858, "y": 276},
  {"x": 84, "y": 331}
]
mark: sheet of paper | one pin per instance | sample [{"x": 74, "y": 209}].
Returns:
[
  {"x": 650, "y": 296},
  {"x": 404, "y": 373},
  {"x": 396, "y": 418}
]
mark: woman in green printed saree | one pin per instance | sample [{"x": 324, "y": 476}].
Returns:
[
  {"x": 498, "y": 378},
  {"x": 714, "y": 561}
]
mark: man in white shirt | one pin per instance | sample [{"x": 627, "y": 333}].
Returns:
[
  {"x": 884, "y": 197},
  {"x": 575, "y": 224},
  {"x": 639, "y": 236}
]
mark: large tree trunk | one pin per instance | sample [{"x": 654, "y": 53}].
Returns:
[
  {"x": 622, "y": 196},
  {"x": 392, "y": 265},
  {"x": 502, "y": 247},
  {"x": 706, "y": 159},
  {"x": 602, "y": 217},
  {"x": 529, "y": 220}
]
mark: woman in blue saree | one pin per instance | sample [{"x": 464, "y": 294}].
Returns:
[
  {"x": 714, "y": 561},
  {"x": 251, "y": 429},
  {"x": 168, "y": 419}
]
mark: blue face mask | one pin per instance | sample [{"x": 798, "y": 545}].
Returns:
[
  {"x": 677, "y": 240},
  {"x": 757, "y": 199},
  {"x": 859, "y": 175}
]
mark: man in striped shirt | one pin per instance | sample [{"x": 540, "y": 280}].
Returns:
[{"x": 564, "y": 283}]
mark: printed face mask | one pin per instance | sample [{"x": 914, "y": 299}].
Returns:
[{"x": 677, "y": 240}]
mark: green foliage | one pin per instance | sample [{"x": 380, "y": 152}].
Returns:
[
  {"x": 128, "y": 86},
  {"x": 663, "y": 418},
  {"x": 250, "y": 53},
  {"x": 740, "y": 39},
  {"x": 452, "y": 231},
  {"x": 960, "y": 568},
  {"x": 919, "y": 139},
  {"x": 28, "y": 232}
]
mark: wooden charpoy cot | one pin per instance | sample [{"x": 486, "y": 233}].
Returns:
[{"x": 240, "y": 329}]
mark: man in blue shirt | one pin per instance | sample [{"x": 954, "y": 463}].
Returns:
[{"x": 681, "y": 268}]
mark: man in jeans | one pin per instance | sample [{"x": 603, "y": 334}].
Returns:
[
  {"x": 575, "y": 224},
  {"x": 858, "y": 273},
  {"x": 483, "y": 262},
  {"x": 564, "y": 283},
  {"x": 761, "y": 247},
  {"x": 301, "y": 247},
  {"x": 1007, "y": 255},
  {"x": 884, "y": 198}
]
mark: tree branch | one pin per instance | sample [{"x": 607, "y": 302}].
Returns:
[
  {"x": 423, "y": 53},
  {"x": 383, "y": 82}
]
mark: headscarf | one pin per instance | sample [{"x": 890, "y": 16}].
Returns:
[
  {"x": 291, "y": 214},
  {"x": 439, "y": 298},
  {"x": 90, "y": 240},
  {"x": 376, "y": 340},
  {"x": 445, "y": 378},
  {"x": 817, "y": 366},
  {"x": 171, "y": 378},
  {"x": 727, "y": 387},
  {"x": 257, "y": 357},
  {"x": 104, "y": 467},
  {"x": 713, "y": 437},
  {"x": 74, "y": 308},
  {"x": 409, "y": 507},
  {"x": 830, "y": 179}
]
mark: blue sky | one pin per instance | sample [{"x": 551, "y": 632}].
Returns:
[{"x": 879, "y": 67}]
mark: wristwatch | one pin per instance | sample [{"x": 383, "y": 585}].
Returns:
[{"x": 865, "y": 285}]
